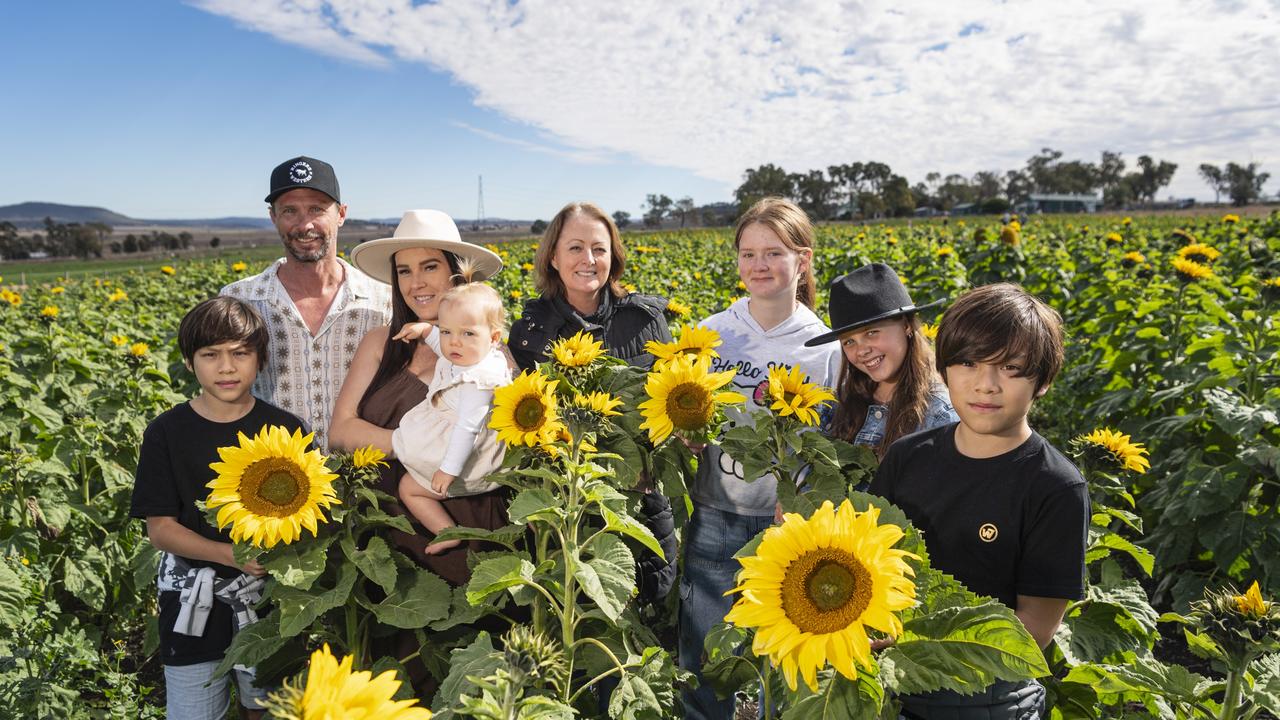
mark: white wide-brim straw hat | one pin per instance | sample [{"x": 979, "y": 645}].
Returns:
[{"x": 422, "y": 229}]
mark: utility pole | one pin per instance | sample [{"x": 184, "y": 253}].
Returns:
[{"x": 475, "y": 225}]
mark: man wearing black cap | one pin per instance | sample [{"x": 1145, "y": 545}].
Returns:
[{"x": 315, "y": 304}]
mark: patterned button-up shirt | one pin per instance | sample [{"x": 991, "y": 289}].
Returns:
[{"x": 304, "y": 373}]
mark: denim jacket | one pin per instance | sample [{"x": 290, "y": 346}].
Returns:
[{"x": 937, "y": 413}]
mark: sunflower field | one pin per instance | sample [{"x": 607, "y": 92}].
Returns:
[{"x": 1169, "y": 401}]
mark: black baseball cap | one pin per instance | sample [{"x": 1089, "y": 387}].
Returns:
[{"x": 304, "y": 172}]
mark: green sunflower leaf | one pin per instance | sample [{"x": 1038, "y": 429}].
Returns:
[
  {"x": 963, "y": 649},
  {"x": 608, "y": 577}
]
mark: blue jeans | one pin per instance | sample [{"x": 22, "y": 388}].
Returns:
[
  {"x": 710, "y": 540},
  {"x": 192, "y": 693}
]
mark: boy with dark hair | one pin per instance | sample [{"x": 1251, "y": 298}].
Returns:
[
  {"x": 1001, "y": 509},
  {"x": 224, "y": 342}
]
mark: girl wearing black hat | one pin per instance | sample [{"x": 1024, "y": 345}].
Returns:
[{"x": 888, "y": 387}]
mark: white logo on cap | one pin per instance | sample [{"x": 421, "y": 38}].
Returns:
[{"x": 300, "y": 171}]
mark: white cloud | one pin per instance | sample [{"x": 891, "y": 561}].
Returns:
[{"x": 717, "y": 87}]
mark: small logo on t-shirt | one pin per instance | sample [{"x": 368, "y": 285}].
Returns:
[{"x": 988, "y": 532}]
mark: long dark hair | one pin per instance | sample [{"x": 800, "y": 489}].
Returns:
[
  {"x": 396, "y": 355},
  {"x": 856, "y": 393}
]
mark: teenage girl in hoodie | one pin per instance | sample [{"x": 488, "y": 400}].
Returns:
[{"x": 774, "y": 242}]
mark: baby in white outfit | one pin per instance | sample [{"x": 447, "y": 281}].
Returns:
[{"x": 444, "y": 442}]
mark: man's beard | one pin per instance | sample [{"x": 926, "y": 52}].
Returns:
[{"x": 320, "y": 252}]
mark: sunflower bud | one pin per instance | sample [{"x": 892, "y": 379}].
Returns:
[{"x": 1243, "y": 625}]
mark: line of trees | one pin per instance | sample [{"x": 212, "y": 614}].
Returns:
[
  {"x": 873, "y": 189},
  {"x": 85, "y": 240},
  {"x": 1242, "y": 183}
]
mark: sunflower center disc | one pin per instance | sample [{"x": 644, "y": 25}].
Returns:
[
  {"x": 279, "y": 488},
  {"x": 273, "y": 486},
  {"x": 825, "y": 591},
  {"x": 830, "y": 585},
  {"x": 689, "y": 406},
  {"x": 529, "y": 412}
]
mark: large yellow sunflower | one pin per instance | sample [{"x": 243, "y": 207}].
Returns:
[
  {"x": 701, "y": 342},
  {"x": 270, "y": 486},
  {"x": 524, "y": 412},
  {"x": 683, "y": 397},
  {"x": 1119, "y": 449},
  {"x": 1190, "y": 270},
  {"x": 334, "y": 692},
  {"x": 578, "y": 351},
  {"x": 815, "y": 585},
  {"x": 793, "y": 396},
  {"x": 1199, "y": 252}
]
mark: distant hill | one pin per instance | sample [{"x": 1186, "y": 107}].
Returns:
[{"x": 32, "y": 214}]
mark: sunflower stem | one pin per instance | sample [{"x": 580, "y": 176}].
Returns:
[
  {"x": 767, "y": 710},
  {"x": 1231, "y": 700}
]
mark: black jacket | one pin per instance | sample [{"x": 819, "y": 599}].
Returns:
[{"x": 623, "y": 324}]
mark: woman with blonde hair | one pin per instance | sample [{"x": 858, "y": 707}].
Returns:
[
  {"x": 577, "y": 270},
  {"x": 768, "y": 328}
]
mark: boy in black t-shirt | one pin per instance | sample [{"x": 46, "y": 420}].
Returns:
[
  {"x": 224, "y": 342},
  {"x": 1000, "y": 508}
]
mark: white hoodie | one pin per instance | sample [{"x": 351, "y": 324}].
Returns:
[{"x": 754, "y": 351}]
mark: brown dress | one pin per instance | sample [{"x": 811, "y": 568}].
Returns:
[{"x": 384, "y": 408}]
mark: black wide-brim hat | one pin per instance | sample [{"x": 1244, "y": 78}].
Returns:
[{"x": 869, "y": 294}]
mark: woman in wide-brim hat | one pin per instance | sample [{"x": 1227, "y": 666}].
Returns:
[
  {"x": 888, "y": 385},
  {"x": 387, "y": 377}
]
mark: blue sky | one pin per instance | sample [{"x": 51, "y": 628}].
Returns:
[{"x": 178, "y": 110}]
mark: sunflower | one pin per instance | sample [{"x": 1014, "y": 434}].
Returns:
[
  {"x": 11, "y": 297},
  {"x": 139, "y": 349},
  {"x": 677, "y": 308},
  {"x": 600, "y": 403},
  {"x": 1231, "y": 219},
  {"x": 369, "y": 456},
  {"x": 49, "y": 312},
  {"x": 929, "y": 330},
  {"x": 167, "y": 269},
  {"x": 793, "y": 396},
  {"x": 578, "y": 351},
  {"x": 683, "y": 397},
  {"x": 119, "y": 340},
  {"x": 524, "y": 412},
  {"x": 1199, "y": 252},
  {"x": 1010, "y": 234},
  {"x": 239, "y": 266},
  {"x": 334, "y": 692},
  {"x": 118, "y": 295},
  {"x": 1117, "y": 448},
  {"x": 57, "y": 290},
  {"x": 1251, "y": 602},
  {"x": 270, "y": 487},
  {"x": 1190, "y": 270},
  {"x": 694, "y": 340},
  {"x": 1131, "y": 258},
  {"x": 1127, "y": 221},
  {"x": 947, "y": 251},
  {"x": 1114, "y": 238},
  {"x": 815, "y": 585}
]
